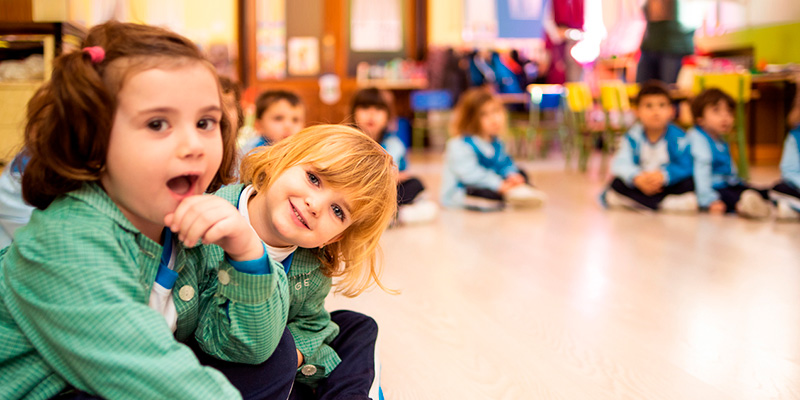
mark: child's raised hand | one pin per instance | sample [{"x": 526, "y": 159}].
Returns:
[{"x": 214, "y": 220}]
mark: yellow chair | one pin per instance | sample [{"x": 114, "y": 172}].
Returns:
[
  {"x": 738, "y": 86},
  {"x": 579, "y": 104},
  {"x": 615, "y": 100}
]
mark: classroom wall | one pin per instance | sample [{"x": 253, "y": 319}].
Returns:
[
  {"x": 445, "y": 19},
  {"x": 771, "y": 44}
]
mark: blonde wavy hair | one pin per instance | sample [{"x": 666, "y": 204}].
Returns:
[{"x": 350, "y": 161}]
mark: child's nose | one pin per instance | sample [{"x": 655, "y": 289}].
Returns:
[{"x": 190, "y": 143}]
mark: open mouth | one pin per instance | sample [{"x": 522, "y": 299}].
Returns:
[
  {"x": 183, "y": 184},
  {"x": 299, "y": 217}
]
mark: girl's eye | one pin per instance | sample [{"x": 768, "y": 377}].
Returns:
[
  {"x": 338, "y": 212},
  {"x": 313, "y": 179},
  {"x": 157, "y": 125},
  {"x": 207, "y": 124}
]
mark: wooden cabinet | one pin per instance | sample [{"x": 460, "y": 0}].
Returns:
[{"x": 21, "y": 40}]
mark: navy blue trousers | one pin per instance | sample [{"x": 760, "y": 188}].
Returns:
[
  {"x": 408, "y": 190},
  {"x": 651, "y": 201},
  {"x": 354, "y": 376},
  {"x": 272, "y": 379},
  {"x": 787, "y": 188},
  {"x": 730, "y": 195}
]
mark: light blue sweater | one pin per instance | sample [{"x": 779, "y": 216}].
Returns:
[
  {"x": 14, "y": 211},
  {"x": 713, "y": 167},
  {"x": 472, "y": 161},
  {"x": 627, "y": 163},
  {"x": 790, "y": 160}
]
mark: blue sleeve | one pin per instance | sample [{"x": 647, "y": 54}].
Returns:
[
  {"x": 259, "y": 266},
  {"x": 622, "y": 166},
  {"x": 463, "y": 162},
  {"x": 790, "y": 162},
  {"x": 507, "y": 166},
  {"x": 395, "y": 147},
  {"x": 680, "y": 163},
  {"x": 703, "y": 177}
]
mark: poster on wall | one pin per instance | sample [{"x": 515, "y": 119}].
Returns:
[
  {"x": 376, "y": 25},
  {"x": 520, "y": 18},
  {"x": 480, "y": 21},
  {"x": 270, "y": 39},
  {"x": 303, "y": 56}
]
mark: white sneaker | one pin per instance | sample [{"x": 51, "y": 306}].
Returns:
[
  {"x": 752, "y": 205},
  {"x": 616, "y": 200},
  {"x": 785, "y": 212},
  {"x": 418, "y": 212},
  {"x": 524, "y": 196},
  {"x": 679, "y": 203}
]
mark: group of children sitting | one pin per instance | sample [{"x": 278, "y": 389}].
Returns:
[
  {"x": 478, "y": 172},
  {"x": 658, "y": 166}
]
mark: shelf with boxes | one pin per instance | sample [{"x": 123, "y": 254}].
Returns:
[{"x": 27, "y": 51}]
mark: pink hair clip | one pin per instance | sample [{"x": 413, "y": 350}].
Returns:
[{"x": 96, "y": 53}]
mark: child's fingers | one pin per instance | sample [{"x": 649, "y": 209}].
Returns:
[
  {"x": 183, "y": 208},
  {"x": 198, "y": 216},
  {"x": 168, "y": 219},
  {"x": 198, "y": 222},
  {"x": 218, "y": 231}
]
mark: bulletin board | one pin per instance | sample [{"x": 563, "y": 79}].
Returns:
[{"x": 376, "y": 31}]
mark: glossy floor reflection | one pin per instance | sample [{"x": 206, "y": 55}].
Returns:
[{"x": 574, "y": 302}]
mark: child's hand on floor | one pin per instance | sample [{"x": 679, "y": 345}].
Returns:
[
  {"x": 215, "y": 220},
  {"x": 717, "y": 207},
  {"x": 515, "y": 178},
  {"x": 508, "y": 184}
]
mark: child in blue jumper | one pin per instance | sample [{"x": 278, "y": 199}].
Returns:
[
  {"x": 719, "y": 189},
  {"x": 478, "y": 172},
  {"x": 653, "y": 166},
  {"x": 279, "y": 114},
  {"x": 372, "y": 110},
  {"x": 787, "y": 191},
  {"x": 14, "y": 211}
]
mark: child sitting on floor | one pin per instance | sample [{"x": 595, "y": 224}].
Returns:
[
  {"x": 652, "y": 168},
  {"x": 719, "y": 189},
  {"x": 478, "y": 172}
]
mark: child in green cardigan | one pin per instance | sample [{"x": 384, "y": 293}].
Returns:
[
  {"x": 320, "y": 201},
  {"x": 96, "y": 293}
]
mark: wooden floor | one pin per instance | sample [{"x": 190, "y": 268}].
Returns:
[{"x": 574, "y": 302}]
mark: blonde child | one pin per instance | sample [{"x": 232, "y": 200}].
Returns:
[
  {"x": 372, "y": 110},
  {"x": 320, "y": 201},
  {"x": 279, "y": 114},
  {"x": 652, "y": 168},
  {"x": 95, "y": 292},
  {"x": 478, "y": 172},
  {"x": 719, "y": 189}
]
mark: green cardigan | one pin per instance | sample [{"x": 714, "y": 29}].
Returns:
[
  {"x": 309, "y": 322},
  {"x": 74, "y": 289}
]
